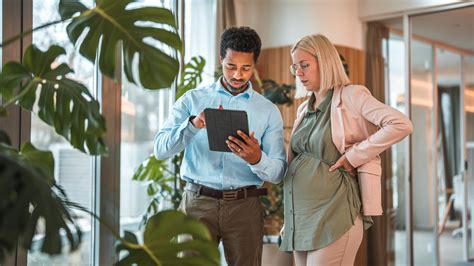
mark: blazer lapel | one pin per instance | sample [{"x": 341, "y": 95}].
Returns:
[{"x": 337, "y": 125}]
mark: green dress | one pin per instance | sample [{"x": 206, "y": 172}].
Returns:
[{"x": 320, "y": 206}]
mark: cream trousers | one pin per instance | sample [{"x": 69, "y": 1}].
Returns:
[{"x": 341, "y": 252}]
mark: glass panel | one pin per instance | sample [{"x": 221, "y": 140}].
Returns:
[
  {"x": 200, "y": 30},
  {"x": 396, "y": 204},
  {"x": 422, "y": 149},
  {"x": 450, "y": 184},
  {"x": 445, "y": 30},
  {"x": 73, "y": 169},
  {"x": 469, "y": 131}
]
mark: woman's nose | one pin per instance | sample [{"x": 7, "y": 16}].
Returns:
[{"x": 299, "y": 72}]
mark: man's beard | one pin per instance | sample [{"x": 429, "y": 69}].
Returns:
[{"x": 233, "y": 89}]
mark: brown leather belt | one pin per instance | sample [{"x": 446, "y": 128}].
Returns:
[{"x": 236, "y": 194}]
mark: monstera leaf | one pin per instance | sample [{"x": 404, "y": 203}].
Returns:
[
  {"x": 99, "y": 30},
  {"x": 63, "y": 103},
  {"x": 191, "y": 75},
  {"x": 28, "y": 194},
  {"x": 161, "y": 245}
]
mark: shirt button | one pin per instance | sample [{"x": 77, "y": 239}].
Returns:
[
  {"x": 289, "y": 192},
  {"x": 291, "y": 211}
]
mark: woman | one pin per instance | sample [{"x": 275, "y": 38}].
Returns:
[{"x": 337, "y": 138}]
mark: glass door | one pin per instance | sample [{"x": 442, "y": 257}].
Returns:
[
  {"x": 468, "y": 160},
  {"x": 429, "y": 212},
  {"x": 396, "y": 206},
  {"x": 448, "y": 147},
  {"x": 422, "y": 108}
]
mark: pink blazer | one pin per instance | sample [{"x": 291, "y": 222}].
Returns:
[{"x": 362, "y": 128}]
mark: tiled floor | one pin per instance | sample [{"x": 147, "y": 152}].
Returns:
[{"x": 451, "y": 249}]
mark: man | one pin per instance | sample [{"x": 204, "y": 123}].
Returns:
[{"x": 223, "y": 189}]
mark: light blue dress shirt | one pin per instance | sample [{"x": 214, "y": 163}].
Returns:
[{"x": 223, "y": 170}]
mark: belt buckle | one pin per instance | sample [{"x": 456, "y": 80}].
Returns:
[{"x": 230, "y": 195}]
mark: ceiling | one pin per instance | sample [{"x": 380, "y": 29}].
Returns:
[{"x": 453, "y": 27}]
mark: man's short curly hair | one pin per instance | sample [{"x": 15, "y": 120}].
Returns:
[{"x": 241, "y": 39}]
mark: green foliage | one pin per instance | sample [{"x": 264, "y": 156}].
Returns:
[
  {"x": 277, "y": 93},
  {"x": 191, "y": 75},
  {"x": 162, "y": 246},
  {"x": 63, "y": 103},
  {"x": 158, "y": 176},
  {"x": 158, "y": 179},
  {"x": 4, "y": 138},
  {"x": 99, "y": 31},
  {"x": 28, "y": 195},
  {"x": 273, "y": 202},
  {"x": 31, "y": 204},
  {"x": 218, "y": 72}
]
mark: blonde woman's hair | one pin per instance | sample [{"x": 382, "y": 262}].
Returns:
[{"x": 331, "y": 70}]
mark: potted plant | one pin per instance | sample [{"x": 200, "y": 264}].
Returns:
[{"x": 28, "y": 192}]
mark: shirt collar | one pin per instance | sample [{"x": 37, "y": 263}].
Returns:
[
  {"x": 247, "y": 94},
  {"x": 323, "y": 106}
]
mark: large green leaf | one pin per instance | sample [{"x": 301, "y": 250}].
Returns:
[
  {"x": 63, "y": 103},
  {"x": 191, "y": 75},
  {"x": 99, "y": 30},
  {"x": 27, "y": 194},
  {"x": 161, "y": 246}
]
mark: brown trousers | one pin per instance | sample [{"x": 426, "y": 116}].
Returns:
[{"x": 238, "y": 224}]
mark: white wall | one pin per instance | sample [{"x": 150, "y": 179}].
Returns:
[
  {"x": 283, "y": 22},
  {"x": 374, "y": 8}
]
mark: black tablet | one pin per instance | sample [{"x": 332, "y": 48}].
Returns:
[{"x": 222, "y": 123}]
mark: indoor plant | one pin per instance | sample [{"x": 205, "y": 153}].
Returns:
[{"x": 28, "y": 192}]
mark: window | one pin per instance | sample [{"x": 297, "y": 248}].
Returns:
[
  {"x": 73, "y": 169},
  {"x": 200, "y": 34},
  {"x": 143, "y": 113}
]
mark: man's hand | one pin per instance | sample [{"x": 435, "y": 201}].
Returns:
[
  {"x": 249, "y": 149},
  {"x": 344, "y": 163},
  {"x": 199, "y": 121}
]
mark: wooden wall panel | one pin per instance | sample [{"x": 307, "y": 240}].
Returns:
[{"x": 356, "y": 61}]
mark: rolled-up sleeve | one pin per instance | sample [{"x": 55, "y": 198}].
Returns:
[
  {"x": 177, "y": 131},
  {"x": 393, "y": 126},
  {"x": 272, "y": 165}
]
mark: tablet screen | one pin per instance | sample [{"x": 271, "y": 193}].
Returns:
[{"x": 222, "y": 123}]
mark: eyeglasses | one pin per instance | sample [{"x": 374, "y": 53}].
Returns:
[{"x": 294, "y": 67}]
